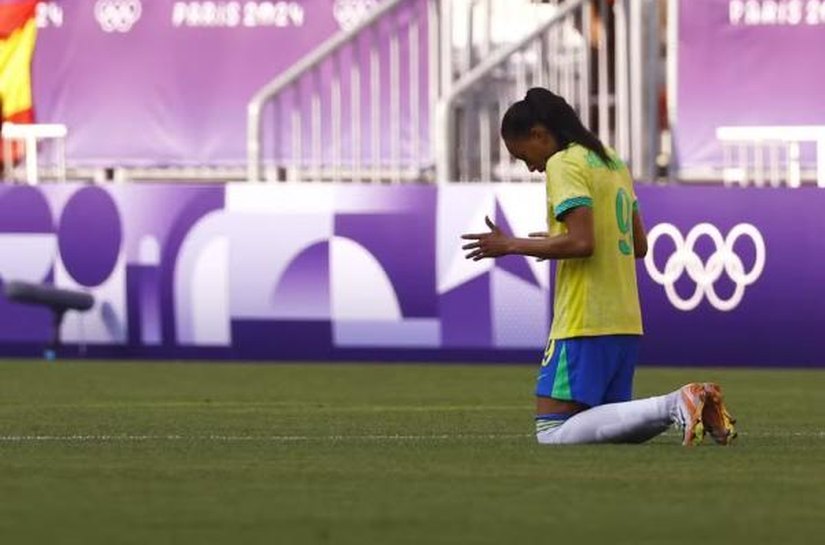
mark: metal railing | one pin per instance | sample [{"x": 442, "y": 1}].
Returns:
[
  {"x": 26, "y": 137},
  {"x": 361, "y": 76},
  {"x": 466, "y": 118},
  {"x": 561, "y": 54},
  {"x": 395, "y": 99},
  {"x": 771, "y": 155},
  {"x": 379, "y": 133}
]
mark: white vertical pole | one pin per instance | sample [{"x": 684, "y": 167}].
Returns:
[
  {"x": 446, "y": 63},
  {"x": 636, "y": 86},
  {"x": 395, "y": 103},
  {"x": 568, "y": 84},
  {"x": 540, "y": 52},
  {"x": 774, "y": 168},
  {"x": 603, "y": 83},
  {"x": 485, "y": 120},
  {"x": 759, "y": 163},
  {"x": 794, "y": 170},
  {"x": 375, "y": 107},
  {"x": 336, "y": 118},
  {"x": 415, "y": 113},
  {"x": 297, "y": 137},
  {"x": 355, "y": 111},
  {"x": 543, "y": 61},
  {"x": 61, "y": 159},
  {"x": 441, "y": 142},
  {"x": 31, "y": 159},
  {"x": 651, "y": 69},
  {"x": 488, "y": 27},
  {"x": 467, "y": 63},
  {"x": 521, "y": 74},
  {"x": 727, "y": 160},
  {"x": 277, "y": 139},
  {"x": 622, "y": 102},
  {"x": 316, "y": 159},
  {"x": 743, "y": 164},
  {"x": 672, "y": 73},
  {"x": 584, "y": 66},
  {"x": 433, "y": 73},
  {"x": 504, "y": 156}
]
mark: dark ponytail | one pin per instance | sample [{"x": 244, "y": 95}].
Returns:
[{"x": 542, "y": 107}]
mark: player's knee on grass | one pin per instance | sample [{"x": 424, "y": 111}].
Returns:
[{"x": 551, "y": 414}]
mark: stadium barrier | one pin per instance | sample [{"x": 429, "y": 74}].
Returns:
[
  {"x": 345, "y": 97},
  {"x": 342, "y": 272}
]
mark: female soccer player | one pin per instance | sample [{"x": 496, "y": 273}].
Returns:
[{"x": 595, "y": 231}]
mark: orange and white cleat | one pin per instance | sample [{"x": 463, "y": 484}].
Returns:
[
  {"x": 689, "y": 413},
  {"x": 717, "y": 421}
]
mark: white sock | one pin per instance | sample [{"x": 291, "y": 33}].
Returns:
[{"x": 627, "y": 422}]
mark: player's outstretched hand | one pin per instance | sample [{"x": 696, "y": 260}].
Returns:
[{"x": 492, "y": 244}]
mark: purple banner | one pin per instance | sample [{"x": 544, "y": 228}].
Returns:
[
  {"x": 373, "y": 273},
  {"x": 746, "y": 63},
  {"x": 166, "y": 82}
]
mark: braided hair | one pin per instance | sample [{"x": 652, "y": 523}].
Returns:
[{"x": 543, "y": 107}]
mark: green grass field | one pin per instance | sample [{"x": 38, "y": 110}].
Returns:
[{"x": 151, "y": 453}]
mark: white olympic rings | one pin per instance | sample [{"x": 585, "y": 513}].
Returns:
[
  {"x": 117, "y": 15},
  {"x": 723, "y": 260}
]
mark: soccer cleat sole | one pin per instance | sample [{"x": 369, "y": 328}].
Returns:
[{"x": 719, "y": 423}]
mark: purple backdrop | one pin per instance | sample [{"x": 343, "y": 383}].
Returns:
[
  {"x": 376, "y": 273},
  {"x": 166, "y": 82},
  {"x": 746, "y": 63}
]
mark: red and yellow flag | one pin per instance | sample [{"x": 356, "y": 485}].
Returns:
[{"x": 18, "y": 31}]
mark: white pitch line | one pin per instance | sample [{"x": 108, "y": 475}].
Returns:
[
  {"x": 317, "y": 438},
  {"x": 263, "y": 438}
]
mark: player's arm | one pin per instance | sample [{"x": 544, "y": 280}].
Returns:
[
  {"x": 639, "y": 236},
  {"x": 579, "y": 240}
]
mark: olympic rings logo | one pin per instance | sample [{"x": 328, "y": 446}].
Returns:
[
  {"x": 117, "y": 15},
  {"x": 723, "y": 260},
  {"x": 349, "y": 13}
]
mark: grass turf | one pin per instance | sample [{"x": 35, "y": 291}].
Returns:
[{"x": 152, "y": 453}]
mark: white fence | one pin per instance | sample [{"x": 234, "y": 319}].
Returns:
[{"x": 770, "y": 155}]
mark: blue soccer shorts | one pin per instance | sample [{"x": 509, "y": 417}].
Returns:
[{"x": 589, "y": 370}]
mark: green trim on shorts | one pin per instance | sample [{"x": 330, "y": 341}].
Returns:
[{"x": 561, "y": 382}]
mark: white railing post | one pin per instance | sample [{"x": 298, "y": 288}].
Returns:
[
  {"x": 636, "y": 87},
  {"x": 760, "y": 136},
  {"x": 603, "y": 75},
  {"x": 444, "y": 141},
  {"x": 621, "y": 90},
  {"x": 253, "y": 141},
  {"x": 291, "y": 76},
  {"x": 444, "y": 156}
]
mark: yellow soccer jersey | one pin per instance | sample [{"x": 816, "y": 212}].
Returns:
[{"x": 596, "y": 295}]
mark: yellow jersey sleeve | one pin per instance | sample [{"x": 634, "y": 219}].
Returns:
[{"x": 569, "y": 183}]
